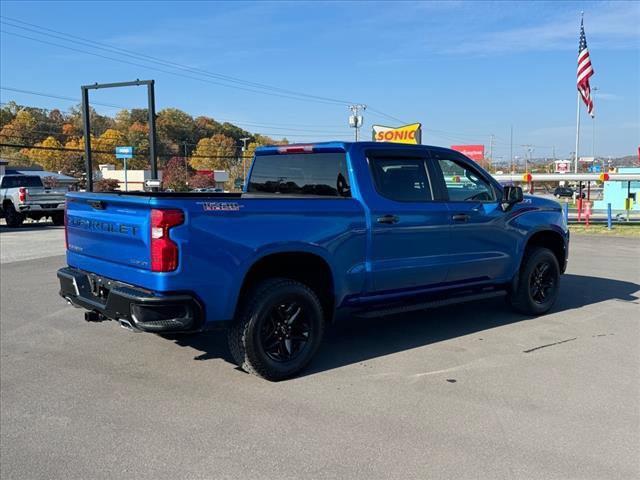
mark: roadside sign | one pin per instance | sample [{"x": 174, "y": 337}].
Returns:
[
  {"x": 124, "y": 152},
  {"x": 562, "y": 166},
  {"x": 411, "y": 134}
]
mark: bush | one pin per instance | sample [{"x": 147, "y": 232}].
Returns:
[
  {"x": 106, "y": 185},
  {"x": 202, "y": 181}
]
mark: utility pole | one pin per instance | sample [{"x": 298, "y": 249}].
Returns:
[
  {"x": 529, "y": 148},
  {"x": 186, "y": 165},
  {"x": 593, "y": 139},
  {"x": 511, "y": 149},
  {"x": 491, "y": 150},
  {"x": 244, "y": 149},
  {"x": 356, "y": 119}
]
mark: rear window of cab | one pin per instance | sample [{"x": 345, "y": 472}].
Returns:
[{"x": 317, "y": 174}]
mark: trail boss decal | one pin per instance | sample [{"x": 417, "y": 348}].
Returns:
[{"x": 221, "y": 206}]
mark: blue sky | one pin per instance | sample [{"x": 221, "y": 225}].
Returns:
[{"x": 465, "y": 70}]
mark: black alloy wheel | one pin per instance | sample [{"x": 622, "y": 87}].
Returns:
[
  {"x": 542, "y": 283},
  {"x": 286, "y": 332},
  {"x": 535, "y": 288},
  {"x": 278, "y": 329}
]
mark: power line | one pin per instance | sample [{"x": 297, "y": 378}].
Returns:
[
  {"x": 276, "y": 91},
  {"x": 59, "y": 97},
  {"x": 163, "y": 70},
  {"x": 129, "y": 53}
]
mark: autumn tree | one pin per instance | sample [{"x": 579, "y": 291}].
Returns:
[
  {"x": 106, "y": 185},
  {"x": 175, "y": 174},
  {"x": 216, "y": 153},
  {"x": 48, "y": 154},
  {"x": 138, "y": 137},
  {"x": 202, "y": 181},
  {"x": 175, "y": 127},
  {"x": 106, "y": 145},
  {"x": 206, "y": 127},
  {"x": 18, "y": 131}
]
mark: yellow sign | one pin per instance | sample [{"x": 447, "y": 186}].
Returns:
[
  {"x": 406, "y": 134},
  {"x": 628, "y": 203}
]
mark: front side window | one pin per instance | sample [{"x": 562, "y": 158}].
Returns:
[
  {"x": 401, "y": 179},
  {"x": 323, "y": 174},
  {"x": 464, "y": 184}
]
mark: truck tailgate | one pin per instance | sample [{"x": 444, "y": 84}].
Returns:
[
  {"x": 109, "y": 227},
  {"x": 40, "y": 195}
]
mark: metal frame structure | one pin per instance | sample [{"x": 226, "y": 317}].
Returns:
[
  {"x": 87, "y": 124},
  {"x": 572, "y": 177}
]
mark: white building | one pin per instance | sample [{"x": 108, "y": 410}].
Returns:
[{"x": 135, "y": 178}]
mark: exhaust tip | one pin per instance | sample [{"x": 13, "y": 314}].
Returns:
[{"x": 127, "y": 325}]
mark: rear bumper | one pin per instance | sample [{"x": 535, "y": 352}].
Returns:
[
  {"x": 141, "y": 309},
  {"x": 40, "y": 207}
]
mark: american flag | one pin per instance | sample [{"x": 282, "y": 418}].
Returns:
[{"x": 585, "y": 71}]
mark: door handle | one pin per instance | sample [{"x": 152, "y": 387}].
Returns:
[
  {"x": 460, "y": 217},
  {"x": 390, "y": 219}
]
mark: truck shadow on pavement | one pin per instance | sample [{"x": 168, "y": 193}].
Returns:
[
  {"x": 361, "y": 339},
  {"x": 28, "y": 227}
]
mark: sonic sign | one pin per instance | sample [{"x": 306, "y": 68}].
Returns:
[{"x": 406, "y": 134}]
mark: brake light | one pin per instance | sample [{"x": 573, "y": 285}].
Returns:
[
  {"x": 296, "y": 149},
  {"x": 22, "y": 194},
  {"x": 164, "y": 252}
]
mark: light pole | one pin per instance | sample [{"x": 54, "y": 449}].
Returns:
[{"x": 593, "y": 139}]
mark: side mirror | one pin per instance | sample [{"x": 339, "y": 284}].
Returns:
[{"x": 510, "y": 196}]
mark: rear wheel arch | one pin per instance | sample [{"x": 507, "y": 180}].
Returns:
[{"x": 307, "y": 268}]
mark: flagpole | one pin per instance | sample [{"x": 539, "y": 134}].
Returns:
[{"x": 575, "y": 161}]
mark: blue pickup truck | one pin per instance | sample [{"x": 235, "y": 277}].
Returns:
[{"x": 321, "y": 232}]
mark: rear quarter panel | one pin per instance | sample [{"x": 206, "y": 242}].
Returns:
[{"x": 221, "y": 240}]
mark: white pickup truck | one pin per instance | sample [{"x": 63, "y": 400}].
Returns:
[{"x": 25, "y": 196}]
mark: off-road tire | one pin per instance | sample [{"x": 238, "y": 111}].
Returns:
[
  {"x": 14, "y": 219},
  {"x": 244, "y": 334},
  {"x": 521, "y": 297}
]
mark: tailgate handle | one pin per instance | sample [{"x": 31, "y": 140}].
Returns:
[{"x": 97, "y": 204}]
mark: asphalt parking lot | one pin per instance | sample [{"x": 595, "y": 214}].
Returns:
[{"x": 466, "y": 392}]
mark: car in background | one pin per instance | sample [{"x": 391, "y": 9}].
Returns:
[
  {"x": 25, "y": 196},
  {"x": 567, "y": 192}
]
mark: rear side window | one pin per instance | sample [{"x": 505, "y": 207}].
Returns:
[
  {"x": 401, "y": 179},
  {"x": 322, "y": 174},
  {"x": 21, "y": 181}
]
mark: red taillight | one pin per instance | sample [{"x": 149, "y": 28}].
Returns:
[
  {"x": 22, "y": 194},
  {"x": 296, "y": 149},
  {"x": 164, "y": 252}
]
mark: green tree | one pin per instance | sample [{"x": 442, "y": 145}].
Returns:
[
  {"x": 175, "y": 127},
  {"x": 138, "y": 137},
  {"x": 216, "y": 153}
]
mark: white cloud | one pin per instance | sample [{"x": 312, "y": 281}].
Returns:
[{"x": 615, "y": 25}]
